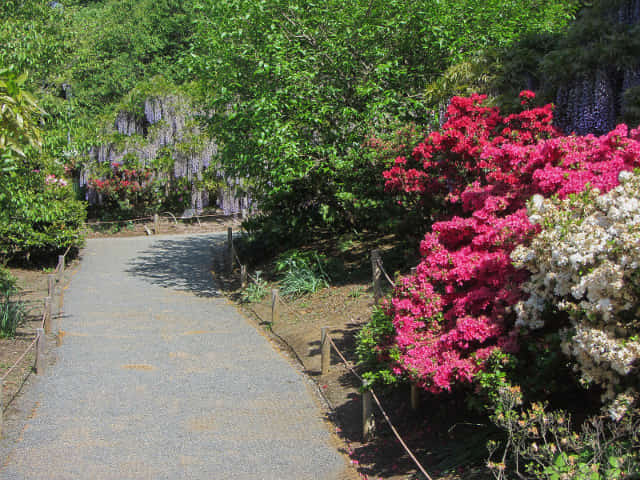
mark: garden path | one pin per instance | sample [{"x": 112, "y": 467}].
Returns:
[{"x": 159, "y": 377}]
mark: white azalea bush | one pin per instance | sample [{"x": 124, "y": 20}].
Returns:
[{"x": 584, "y": 267}]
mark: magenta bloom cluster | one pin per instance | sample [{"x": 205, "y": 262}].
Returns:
[{"x": 457, "y": 309}]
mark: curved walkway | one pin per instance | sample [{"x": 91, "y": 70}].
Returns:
[{"x": 160, "y": 378}]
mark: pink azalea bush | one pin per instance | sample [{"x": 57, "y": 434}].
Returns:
[{"x": 483, "y": 167}]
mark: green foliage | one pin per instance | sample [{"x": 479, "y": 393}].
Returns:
[
  {"x": 7, "y": 282},
  {"x": 378, "y": 362},
  {"x": 12, "y": 313},
  {"x": 37, "y": 218},
  {"x": 19, "y": 114},
  {"x": 256, "y": 290},
  {"x": 493, "y": 379},
  {"x": 38, "y": 212},
  {"x": 297, "y": 87},
  {"x": 121, "y": 42},
  {"x": 542, "y": 444},
  {"x": 548, "y": 60},
  {"x": 302, "y": 273}
]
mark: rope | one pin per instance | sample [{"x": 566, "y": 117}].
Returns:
[
  {"x": 384, "y": 414},
  {"x": 197, "y": 217},
  {"x": 237, "y": 257},
  {"x": 349, "y": 366},
  {"x": 291, "y": 310},
  {"x": 352, "y": 370},
  {"x": 44, "y": 317},
  {"x": 117, "y": 221},
  {"x": 393, "y": 284},
  {"x": 4, "y": 377},
  {"x": 172, "y": 215},
  {"x": 344, "y": 360}
]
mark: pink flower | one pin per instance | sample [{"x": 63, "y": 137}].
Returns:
[{"x": 455, "y": 311}]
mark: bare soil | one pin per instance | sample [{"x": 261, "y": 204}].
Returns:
[
  {"x": 439, "y": 433},
  {"x": 33, "y": 290}
]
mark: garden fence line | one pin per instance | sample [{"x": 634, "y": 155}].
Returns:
[
  {"x": 39, "y": 342},
  {"x": 327, "y": 343},
  {"x": 173, "y": 216}
]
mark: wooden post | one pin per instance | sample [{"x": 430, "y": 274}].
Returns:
[
  {"x": 244, "y": 213},
  {"x": 229, "y": 250},
  {"x": 415, "y": 397},
  {"x": 51, "y": 286},
  {"x": 47, "y": 314},
  {"x": 40, "y": 346},
  {"x": 243, "y": 276},
  {"x": 1, "y": 407},
  {"x": 61, "y": 266},
  {"x": 156, "y": 224},
  {"x": 376, "y": 273},
  {"x": 368, "y": 422},
  {"x": 325, "y": 351},
  {"x": 414, "y": 270},
  {"x": 275, "y": 309}
]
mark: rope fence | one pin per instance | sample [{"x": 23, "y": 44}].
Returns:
[
  {"x": 327, "y": 345},
  {"x": 39, "y": 342},
  {"x": 152, "y": 218},
  {"x": 384, "y": 272}
]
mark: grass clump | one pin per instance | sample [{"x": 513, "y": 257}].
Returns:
[
  {"x": 12, "y": 313},
  {"x": 302, "y": 273}
]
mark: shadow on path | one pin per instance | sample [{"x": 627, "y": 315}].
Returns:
[{"x": 181, "y": 264}]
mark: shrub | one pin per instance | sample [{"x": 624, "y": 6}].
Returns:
[
  {"x": 128, "y": 189},
  {"x": 371, "y": 352},
  {"x": 482, "y": 167},
  {"x": 39, "y": 214},
  {"x": 584, "y": 262},
  {"x": 12, "y": 314}
]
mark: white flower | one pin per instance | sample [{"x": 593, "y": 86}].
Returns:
[
  {"x": 584, "y": 265},
  {"x": 624, "y": 176}
]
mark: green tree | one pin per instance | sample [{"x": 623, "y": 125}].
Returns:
[{"x": 296, "y": 87}]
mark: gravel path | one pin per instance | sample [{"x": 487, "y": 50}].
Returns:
[{"x": 161, "y": 378}]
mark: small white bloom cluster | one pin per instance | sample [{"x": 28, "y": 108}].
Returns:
[{"x": 585, "y": 265}]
